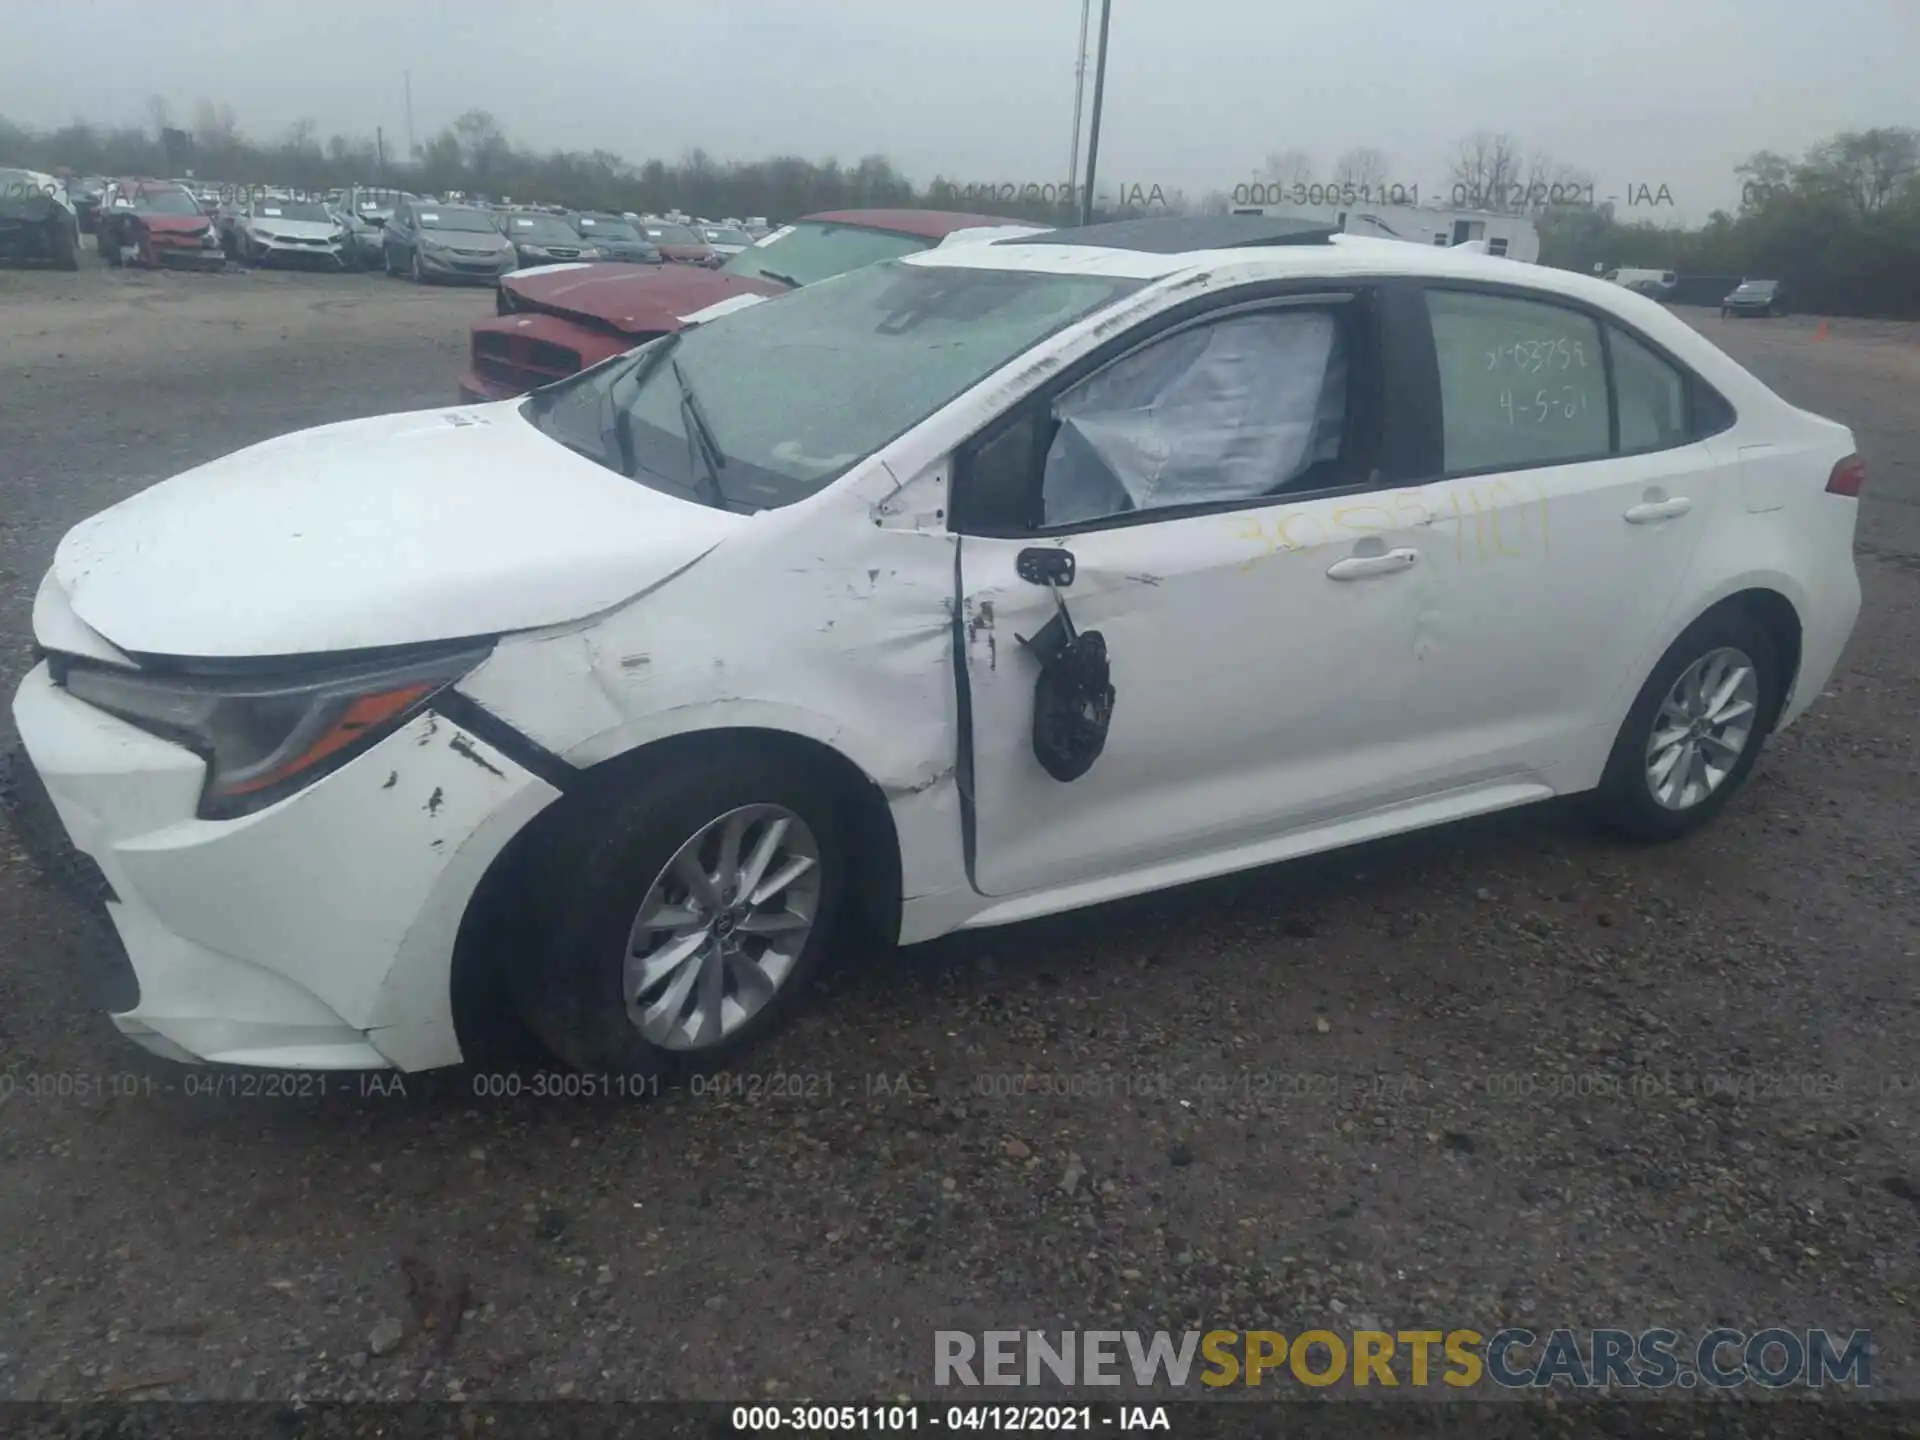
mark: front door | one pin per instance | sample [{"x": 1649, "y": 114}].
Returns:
[{"x": 1257, "y": 598}]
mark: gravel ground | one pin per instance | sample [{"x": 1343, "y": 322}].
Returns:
[{"x": 1505, "y": 1073}]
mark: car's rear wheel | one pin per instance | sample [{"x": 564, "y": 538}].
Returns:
[
  {"x": 107, "y": 242},
  {"x": 677, "y": 922},
  {"x": 1695, "y": 730},
  {"x": 66, "y": 247}
]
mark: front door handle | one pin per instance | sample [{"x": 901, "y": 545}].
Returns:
[
  {"x": 1359, "y": 567},
  {"x": 1648, "y": 511}
]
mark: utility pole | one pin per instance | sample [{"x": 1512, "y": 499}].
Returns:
[
  {"x": 413, "y": 148},
  {"x": 1099, "y": 95},
  {"x": 1079, "y": 90},
  {"x": 380, "y": 150}
]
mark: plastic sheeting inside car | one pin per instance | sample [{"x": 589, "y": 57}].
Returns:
[{"x": 1222, "y": 412}]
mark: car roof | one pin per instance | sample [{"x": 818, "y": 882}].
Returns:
[
  {"x": 1335, "y": 256},
  {"x": 1182, "y": 234},
  {"x": 927, "y": 224}
]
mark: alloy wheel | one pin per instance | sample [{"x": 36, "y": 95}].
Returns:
[
  {"x": 1702, "y": 728},
  {"x": 722, "y": 927}
]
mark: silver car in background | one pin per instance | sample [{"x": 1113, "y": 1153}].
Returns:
[{"x": 274, "y": 229}]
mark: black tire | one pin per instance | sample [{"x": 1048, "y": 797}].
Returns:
[
  {"x": 1624, "y": 801},
  {"x": 564, "y": 955},
  {"x": 108, "y": 243},
  {"x": 413, "y": 267},
  {"x": 66, "y": 248}
]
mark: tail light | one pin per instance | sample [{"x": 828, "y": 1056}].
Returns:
[{"x": 1847, "y": 477}]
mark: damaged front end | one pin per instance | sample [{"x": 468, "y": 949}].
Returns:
[{"x": 34, "y": 225}]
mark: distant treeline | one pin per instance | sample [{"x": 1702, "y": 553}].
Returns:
[{"x": 1840, "y": 224}]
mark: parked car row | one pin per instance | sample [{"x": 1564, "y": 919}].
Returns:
[
  {"x": 1749, "y": 297},
  {"x": 177, "y": 222}
]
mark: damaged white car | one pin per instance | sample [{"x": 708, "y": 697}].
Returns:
[{"x": 985, "y": 583}]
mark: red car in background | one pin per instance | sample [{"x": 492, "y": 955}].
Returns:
[
  {"x": 157, "y": 223},
  {"x": 555, "y": 320},
  {"x": 680, "y": 244}
]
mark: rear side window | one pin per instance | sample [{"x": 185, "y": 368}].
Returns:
[
  {"x": 1653, "y": 396},
  {"x": 1522, "y": 383}
]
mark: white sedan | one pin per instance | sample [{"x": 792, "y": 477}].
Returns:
[{"x": 990, "y": 582}]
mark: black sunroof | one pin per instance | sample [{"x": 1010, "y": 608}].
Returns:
[{"x": 1177, "y": 234}]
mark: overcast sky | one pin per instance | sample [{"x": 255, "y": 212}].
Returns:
[{"x": 1650, "y": 92}]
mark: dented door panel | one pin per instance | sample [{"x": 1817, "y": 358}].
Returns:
[{"x": 824, "y": 626}]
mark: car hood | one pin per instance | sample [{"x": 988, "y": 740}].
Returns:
[
  {"x": 635, "y": 304},
  {"x": 433, "y": 525},
  {"x": 175, "y": 224},
  {"x": 294, "y": 229}
]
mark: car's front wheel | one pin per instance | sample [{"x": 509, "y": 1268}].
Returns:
[
  {"x": 413, "y": 267},
  {"x": 676, "y": 922},
  {"x": 1695, "y": 729}
]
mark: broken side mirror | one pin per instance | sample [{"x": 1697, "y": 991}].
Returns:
[
  {"x": 1045, "y": 565},
  {"x": 1073, "y": 698}
]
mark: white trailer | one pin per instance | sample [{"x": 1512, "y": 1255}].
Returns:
[{"x": 1513, "y": 236}]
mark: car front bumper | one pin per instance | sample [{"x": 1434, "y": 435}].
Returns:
[
  {"x": 514, "y": 353},
  {"x": 462, "y": 267},
  {"x": 315, "y": 934},
  {"x": 295, "y": 252},
  {"x": 189, "y": 257}
]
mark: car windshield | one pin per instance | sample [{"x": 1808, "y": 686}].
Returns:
[
  {"x": 542, "y": 229},
  {"x": 600, "y": 227},
  {"x": 721, "y": 235},
  {"x": 291, "y": 210},
  {"x": 22, "y": 182},
  {"x": 448, "y": 217},
  {"x": 795, "y": 391},
  {"x": 813, "y": 251},
  {"x": 673, "y": 235},
  {"x": 166, "y": 202},
  {"x": 1759, "y": 287}
]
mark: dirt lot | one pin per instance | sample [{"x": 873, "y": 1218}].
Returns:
[{"x": 1509, "y": 1073}]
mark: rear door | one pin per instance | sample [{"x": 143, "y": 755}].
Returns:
[
  {"x": 1576, "y": 485},
  {"x": 1217, "y": 486}
]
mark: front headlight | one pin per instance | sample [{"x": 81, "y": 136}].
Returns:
[{"x": 265, "y": 738}]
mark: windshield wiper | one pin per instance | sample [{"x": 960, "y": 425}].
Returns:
[
  {"x": 786, "y": 280},
  {"x": 700, "y": 439}
]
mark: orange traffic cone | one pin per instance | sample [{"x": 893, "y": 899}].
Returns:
[{"x": 1821, "y": 333}]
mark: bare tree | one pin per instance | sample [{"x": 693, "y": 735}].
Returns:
[
  {"x": 1363, "y": 167},
  {"x": 215, "y": 130},
  {"x": 1548, "y": 182},
  {"x": 1866, "y": 166},
  {"x": 1485, "y": 171},
  {"x": 1288, "y": 167},
  {"x": 160, "y": 114}
]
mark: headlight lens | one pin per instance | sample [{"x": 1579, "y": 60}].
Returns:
[{"x": 264, "y": 738}]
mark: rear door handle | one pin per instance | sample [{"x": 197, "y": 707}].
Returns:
[
  {"x": 1359, "y": 567},
  {"x": 1648, "y": 511}
]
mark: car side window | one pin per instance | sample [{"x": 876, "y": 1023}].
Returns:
[
  {"x": 1242, "y": 407},
  {"x": 1522, "y": 382},
  {"x": 1652, "y": 396}
]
